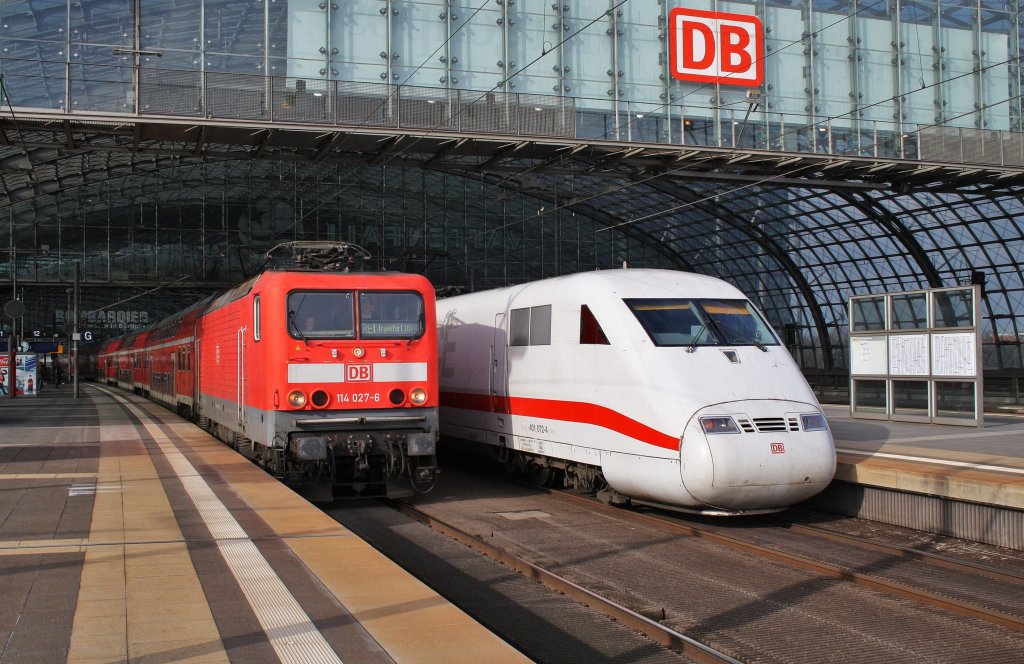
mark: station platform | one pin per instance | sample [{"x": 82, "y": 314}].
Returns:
[
  {"x": 959, "y": 481},
  {"x": 128, "y": 534}
]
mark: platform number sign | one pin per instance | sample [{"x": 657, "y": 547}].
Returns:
[
  {"x": 716, "y": 47},
  {"x": 778, "y": 448}
]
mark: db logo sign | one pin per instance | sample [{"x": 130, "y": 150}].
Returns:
[
  {"x": 714, "y": 47},
  {"x": 357, "y": 373},
  {"x": 778, "y": 448}
]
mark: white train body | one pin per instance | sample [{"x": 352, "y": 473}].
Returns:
[{"x": 633, "y": 372}]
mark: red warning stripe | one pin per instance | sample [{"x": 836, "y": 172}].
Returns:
[{"x": 566, "y": 411}]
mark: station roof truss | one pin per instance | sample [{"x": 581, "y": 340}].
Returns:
[{"x": 799, "y": 232}]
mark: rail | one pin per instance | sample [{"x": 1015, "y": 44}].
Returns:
[
  {"x": 829, "y": 570},
  {"x": 654, "y": 630}
]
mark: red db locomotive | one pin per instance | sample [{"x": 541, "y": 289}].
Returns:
[{"x": 328, "y": 380}]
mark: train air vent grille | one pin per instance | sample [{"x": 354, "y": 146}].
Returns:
[
  {"x": 770, "y": 424},
  {"x": 746, "y": 425},
  {"x": 794, "y": 424}
]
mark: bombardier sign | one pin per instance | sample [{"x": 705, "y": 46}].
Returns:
[{"x": 715, "y": 47}]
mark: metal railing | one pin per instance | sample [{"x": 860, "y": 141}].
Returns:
[{"x": 146, "y": 91}]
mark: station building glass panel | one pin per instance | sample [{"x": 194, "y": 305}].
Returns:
[
  {"x": 910, "y": 397},
  {"x": 869, "y": 314},
  {"x": 954, "y": 308},
  {"x": 910, "y": 311},
  {"x": 955, "y": 399},
  {"x": 869, "y": 396}
]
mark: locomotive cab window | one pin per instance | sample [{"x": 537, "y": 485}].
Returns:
[
  {"x": 590, "y": 329},
  {"x": 675, "y": 322},
  {"x": 321, "y": 315},
  {"x": 391, "y": 315}
]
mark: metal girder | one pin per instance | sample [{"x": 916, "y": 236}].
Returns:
[
  {"x": 768, "y": 244},
  {"x": 872, "y": 210}
]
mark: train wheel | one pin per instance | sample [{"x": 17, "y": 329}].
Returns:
[{"x": 541, "y": 475}]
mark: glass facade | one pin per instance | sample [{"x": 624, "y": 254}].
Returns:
[
  {"x": 937, "y": 80},
  {"x": 906, "y": 78}
]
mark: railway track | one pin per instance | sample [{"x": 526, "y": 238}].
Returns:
[
  {"x": 703, "y": 581},
  {"x": 654, "y": 630},
  {"x": 830, "y": 570}
]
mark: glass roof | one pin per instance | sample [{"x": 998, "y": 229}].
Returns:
[{"x": 799, "y": 252}]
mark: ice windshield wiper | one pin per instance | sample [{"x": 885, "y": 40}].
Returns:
[{"x": 700, "y": 331}]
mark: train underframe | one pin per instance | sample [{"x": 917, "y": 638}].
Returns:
[
  {"x": 329, "y": 465},
  {"x": 549, "y": 472}
]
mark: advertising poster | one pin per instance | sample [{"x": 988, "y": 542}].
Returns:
[{"x": 26, "y": 375}]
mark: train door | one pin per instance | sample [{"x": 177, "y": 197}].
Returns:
[
  {"x": 172, "y": 387},
  {"x": 499, "y": 366}
]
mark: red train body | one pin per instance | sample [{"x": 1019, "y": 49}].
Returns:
[{"x": 326, "y": 379}]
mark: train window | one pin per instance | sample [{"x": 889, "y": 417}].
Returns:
[
  {"x": 531, "y": 327},
  {"x": 391, "y": 315},
  {"x": 675, "y": 322},
  {"x": 256, "y": 318},
  {"x": 590, "y": 329},
  {"x": 519, "y": 328},
  {"x": 540, "y": 325},
  {"x": 321, "y": 315}
]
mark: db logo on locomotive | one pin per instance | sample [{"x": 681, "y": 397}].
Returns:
[
  {"x": 716, "y": 47},
  {"x": 358, "y": 373}
]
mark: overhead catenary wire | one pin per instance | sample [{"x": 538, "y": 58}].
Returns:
[{"x": 767, "y": 179}]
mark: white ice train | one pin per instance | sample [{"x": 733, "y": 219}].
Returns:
[{"x": 652, "y": 386}]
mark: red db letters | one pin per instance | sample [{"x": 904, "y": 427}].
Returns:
[{"x": 715, "y": 47}]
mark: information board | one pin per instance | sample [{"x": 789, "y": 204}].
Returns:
[
  {"x": 868, "y": 356},
  {"x": 917, "y": 346},
  {"x": 908, "y": 354},
  {"x": 953, "y": 354}
]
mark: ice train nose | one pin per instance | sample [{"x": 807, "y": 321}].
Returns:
[{"x": 752, "y": 455}]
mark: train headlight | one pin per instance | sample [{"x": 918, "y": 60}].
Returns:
[
  {"x": 813, "y": 422},
  {"x": 296, "y": 398},
  {"x": 358, "y": 352},
  {"x": 723, "y": 424},
  {"x": 418, "y": 396}
]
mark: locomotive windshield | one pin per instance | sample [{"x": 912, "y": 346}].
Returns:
[
  {"x": 333, "y": 315},
  {"x": 706, "y": 322},
  {"x": 321, "y": 314},
  {"x": 391, "y": 315}
]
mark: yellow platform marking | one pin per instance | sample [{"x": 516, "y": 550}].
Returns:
[
  {"x": 407, "y": 618},
  {"x": 288, "y": 628},
  {"x": 138, "y": 580},
  {"x": 45, "y": 476}
]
